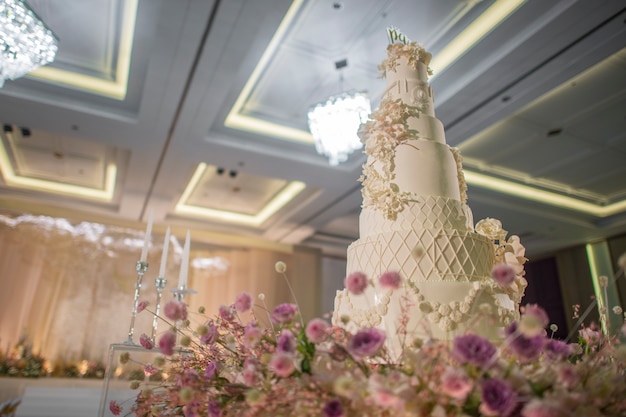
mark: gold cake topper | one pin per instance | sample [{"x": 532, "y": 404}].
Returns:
[{"x": 394, "y": 35}]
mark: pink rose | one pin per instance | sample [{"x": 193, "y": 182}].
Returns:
[
  {"x": 503, "y": 274},
  {"x": 533, "y": 321},
  {"x": 282, "y": 364},
  {"x": 456, "y": 383},
  {"x": 115, "y": 408},
  {"x": 146, "y": 342},
  {"x": 316, "y": 330},
  {"x": 142, "y": 306},
  {"x": 175, "y": 310},
  {"x": 543, "y": 408},
  {"x": 390, "y": 280},
  {"x": 252, "y": 335},
  {"x": 167, "y": 343},
  {"x": 243, "y": 302},
  {"x": 356, "y": 282}
]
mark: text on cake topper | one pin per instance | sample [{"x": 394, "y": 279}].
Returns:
[{"x": 395, "y": 35}]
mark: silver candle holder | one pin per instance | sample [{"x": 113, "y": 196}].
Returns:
[
  {"x": 181, "y": 291},
  {"x": 179, "y": 295},
  {"x": 159, "y": 283},
  {"x": 141, "y": 268}
]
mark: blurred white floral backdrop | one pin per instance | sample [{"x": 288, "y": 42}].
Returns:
[{"x": 69, "y": 287}]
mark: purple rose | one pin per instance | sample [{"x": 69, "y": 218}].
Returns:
[
  {"x": 366, "y": 342},
  {"x": 211, "y": 335},
  {"x": 333, "y": 408},
  {"x": 211, "y": 370},
  {"x": 214, "y": 409},
  {"x": 284, "y": 313},
  {"x": 188, "y": 378},
  {"x": 286, "y": 342},
  {"x": 192, "y": 409},
  {"x": 474, "y": 349},
  {"x": 498, "y": 398},
  {"x": 525, "y": 348},
  {"x": 556, "y": 349},
  {"x": 226, "y": 313}
]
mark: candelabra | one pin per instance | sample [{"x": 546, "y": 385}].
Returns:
[{"x": 141, "y": 267}]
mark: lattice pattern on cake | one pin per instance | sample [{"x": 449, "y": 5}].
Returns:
[
  {"x": 430, "y": 212},
  {"x": 445, "y": 255}
]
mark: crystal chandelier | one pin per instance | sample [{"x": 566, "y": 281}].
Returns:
[
  {"x": 25, "y": 41},
  {"x": 335, "y": 122}
]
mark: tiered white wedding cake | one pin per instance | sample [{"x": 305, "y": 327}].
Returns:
[{"x": 415, "y": 221}]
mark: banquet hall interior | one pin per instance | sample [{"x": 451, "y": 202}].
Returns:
[{"x": 192, "y": 116}]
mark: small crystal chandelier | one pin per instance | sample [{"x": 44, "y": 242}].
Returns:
[
  {"x": 25, "y": 41},
  {"x": 335, "y": 122}
]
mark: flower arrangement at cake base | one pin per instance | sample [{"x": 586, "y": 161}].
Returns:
[{"x": 238, "y": 364}]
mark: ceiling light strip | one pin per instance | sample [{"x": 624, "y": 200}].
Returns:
[
  {"x": 14, "y": 180},
  {"x": 239, "y": 121},
  {"x": 522, "y": 177},
  {"x": 116, "y": 88},
  {"x": 279, "y": 201},
  {"x": 285, "y": 196},
  {"x": 473, "y": 33},
  {"x": 542, "y": 196}
]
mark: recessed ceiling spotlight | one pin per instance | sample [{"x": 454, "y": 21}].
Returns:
[
  {"x": 342, "y": 63},
  {"x": 232, "y": 173},
  {"x": 220, "y": 170},
  {"x": 7, "y": 128},
  {"x": 506, "y": 98},
  {"x": 554, "y": 132},
  {"x": 25, "y": 132},
  {"x": 337, "y": 5}
]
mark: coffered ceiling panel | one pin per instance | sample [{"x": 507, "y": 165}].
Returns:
[{"x": 532, "y": 91}]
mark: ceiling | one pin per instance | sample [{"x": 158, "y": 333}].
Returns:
[{"x": 195, "y": 111}]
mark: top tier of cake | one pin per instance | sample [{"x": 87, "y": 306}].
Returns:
[
  {"x": 408, "y": 158},
  {"x": 406, "y": 71}
]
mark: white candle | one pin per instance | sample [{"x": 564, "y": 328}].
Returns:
[
  {"x": 182, "y": 278},
  {"x": 166, "y": 246},
  {"x": 146, "y": 238}
]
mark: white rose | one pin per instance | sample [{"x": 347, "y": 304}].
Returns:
[
  {"x": 491, "y": 228},
  {"x": 515, "y": 246}
]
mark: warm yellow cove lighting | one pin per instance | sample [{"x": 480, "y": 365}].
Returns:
[
  {"x": 285, "y": 196},
  {"x": 491, "y": 18},
  {"x": 601, "y": 264},
  {"x": 542, "y": 196},
  {"x": 115, "y": 88},
  {"x": 236, "y": 120},
  {"x": 473, "y": 33},
  {"x": 13, "y": 180}
]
